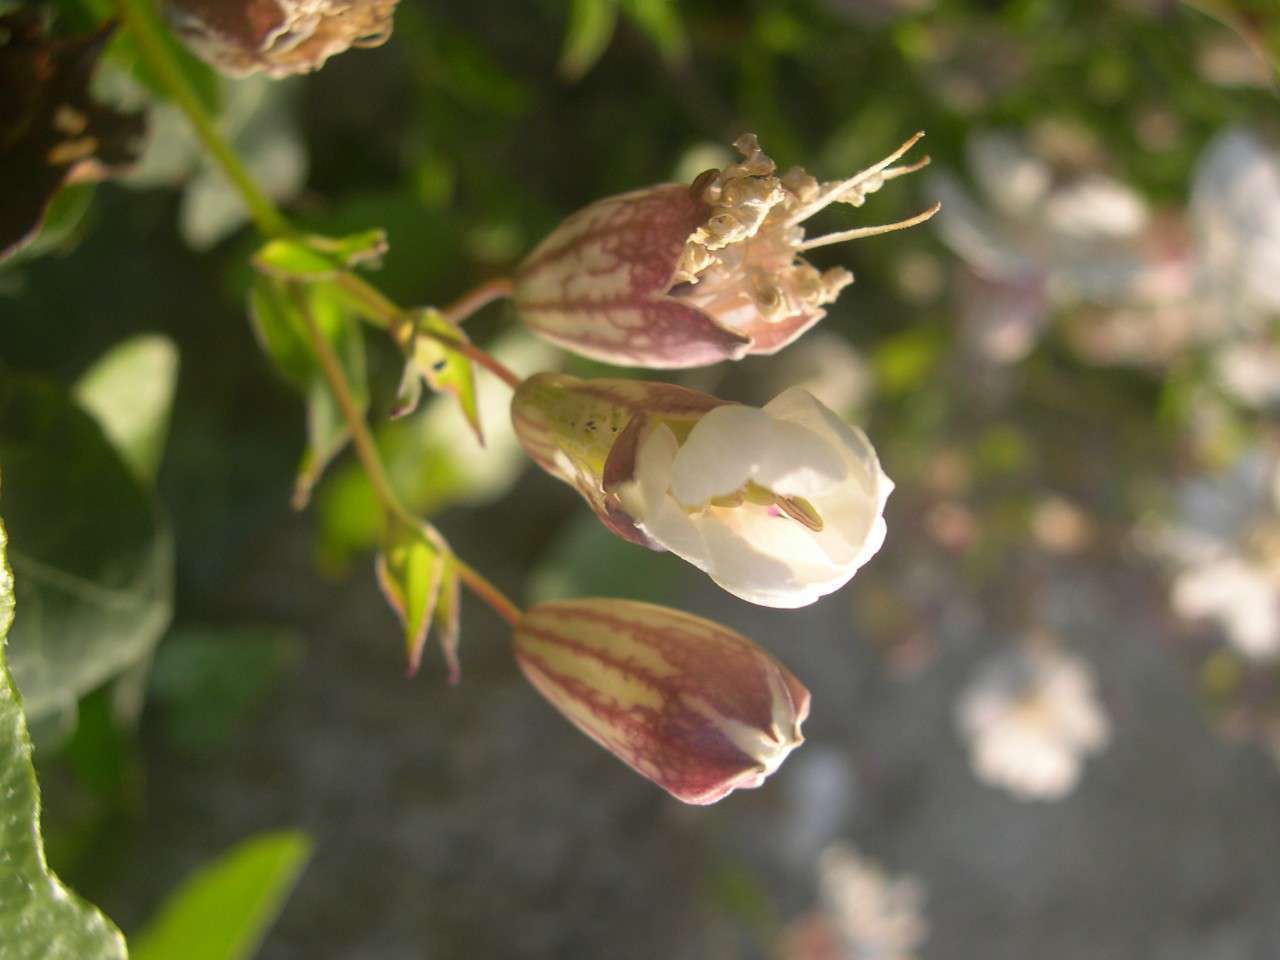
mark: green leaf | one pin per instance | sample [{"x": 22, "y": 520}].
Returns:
[
  {"x": 129, "y": 391},
  {"x": 280, "y": 330},
  {"x": 313, "y": 258},
  {"x": 276, "y": 313},
  {"x": 288, "y": 259},
  {"x": 41, "y": 918},
  {"x": 93, "y": 556},
  {"x": 445, "y": 370},
  {"x": 367, "y": 246},
  {"x": 223, "y": 911},
  {"x": 591, "y": 26},
  {"x": 411, "y": 568},
  {"x": 447, "y": 620}
]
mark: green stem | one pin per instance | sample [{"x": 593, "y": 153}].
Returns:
[
  {"x": 382, "y": 312},
  {"x": 140, "y": 18},
  {"x": 367, "y": 452}
]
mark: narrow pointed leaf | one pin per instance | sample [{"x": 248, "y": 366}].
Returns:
[
  {"x": 223, "y": 911},
  {"x": 315, "y": 258},
  {"x": 411, "y": 569},
  {"x": 448, "y": 621},
  {"x": 40, "y": 919}
]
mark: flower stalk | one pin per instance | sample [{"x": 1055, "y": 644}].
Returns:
[
  {"x": 140, "y": 18},
  {"x": 367, "y": 453}
]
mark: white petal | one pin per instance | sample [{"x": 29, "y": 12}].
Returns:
[{"x": 734, "y": 444}]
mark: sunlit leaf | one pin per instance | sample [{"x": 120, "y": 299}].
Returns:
[
  {"x": 354, "y": 249},
  {"x": 92, "y": 555},
  {"x": 445, "y": 370},
  {"x": 448, "y": 620},
  {"x": 591, "y": 26},
  {"x": 40, "y": 919},
  {"x": 311, "y": 258},
  {"x": 223, "y": 911},
  {"x": 129, "y": 391},
  {"x": 290, "y": 259},
  {"x": 411, "y": 568}
]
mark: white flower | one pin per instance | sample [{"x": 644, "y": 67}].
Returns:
[
  {"x": 864, "y": 914},
  {"x": 1031, "y": 716},
  {"x": 1225, "y": 548},
  {"x": 780, "y": 505}
]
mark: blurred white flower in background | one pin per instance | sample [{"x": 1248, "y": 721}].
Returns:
[
  {"x": 864, "y": 914},
  {"x": 1235, "y": 221},
  {"x": 1135, "y": 288},
  {"x": 1224, "y": 546},
  {"x": 1038, "y": 241},
  {"x": 1031, "y": 716}
]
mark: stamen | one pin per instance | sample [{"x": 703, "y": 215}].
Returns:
[
  {"x": 859, "y": 232},
  {"x": 801, "y": 511},
  {"x": 832, "y": 193}
]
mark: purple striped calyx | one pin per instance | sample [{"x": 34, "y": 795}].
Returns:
[
  {"x": 685, "y": 276},
  {"x": 693, "y": 706}
]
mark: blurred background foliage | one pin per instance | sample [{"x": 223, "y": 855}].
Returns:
[{"x": 252, "y": 680}]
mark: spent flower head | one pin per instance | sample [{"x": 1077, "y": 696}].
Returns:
[{"x": 683, "y": 276}]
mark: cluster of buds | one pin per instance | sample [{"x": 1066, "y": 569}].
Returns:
[{"x": 779, "y": 505}]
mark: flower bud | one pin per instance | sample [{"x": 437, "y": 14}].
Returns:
[
  {"x": 570, "y": 427},
  {"x": 779, "y": 505},
  {"x": 684, "y": 276},
  {"x": 278, "y": 37},
  {"x": 697, "y": 708}
]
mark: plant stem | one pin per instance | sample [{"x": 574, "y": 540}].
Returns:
[
  {"x": 385, "y": 313},
  {"x": 140, "y": 17},
  {"x": 474, "y": 300},
  {"x": 367, "y": 452}
]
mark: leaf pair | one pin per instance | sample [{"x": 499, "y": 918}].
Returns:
[{"x": 419, "y": 577}]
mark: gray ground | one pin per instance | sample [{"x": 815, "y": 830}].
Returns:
[{"x": 473, "y": 822}]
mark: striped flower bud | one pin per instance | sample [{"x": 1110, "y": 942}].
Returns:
[
  {"x": 779, "y": 505},
  {"x": 697, "y": 708},
  {"x": 684, "y": 276}
]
